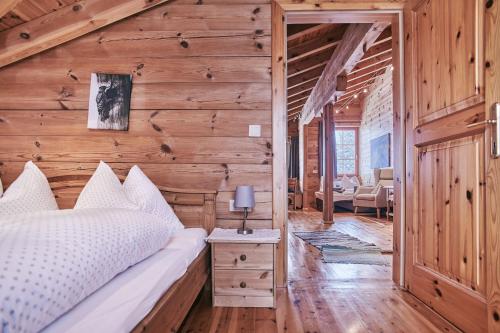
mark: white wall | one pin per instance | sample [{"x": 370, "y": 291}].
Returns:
[{"x": 376, "y": 120}]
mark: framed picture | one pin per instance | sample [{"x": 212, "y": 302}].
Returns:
[
  {"x": 380, "y": 151},
  {"x": 109, "y": 103}
]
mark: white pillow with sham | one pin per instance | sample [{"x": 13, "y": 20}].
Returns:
[
  {"x": 144, "y": 193},
  {"x": 104, "y": 190},
  {"x": 30, "y": 192}
]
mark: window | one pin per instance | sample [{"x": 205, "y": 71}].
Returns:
[{"x": 345, "y": 140}]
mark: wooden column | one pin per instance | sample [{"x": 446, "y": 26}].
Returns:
[{"x": 329, "y": 143}]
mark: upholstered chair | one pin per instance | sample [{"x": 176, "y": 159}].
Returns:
[{"x": 374, "y": 196}]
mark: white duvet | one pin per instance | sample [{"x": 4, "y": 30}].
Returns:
[{"x": 52, "y": 260}]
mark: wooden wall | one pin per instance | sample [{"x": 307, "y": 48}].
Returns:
[
  {"x": 311, "y": 163},
  {"x": 376, "y": 120},
  {"x": 201, "y": 75}
]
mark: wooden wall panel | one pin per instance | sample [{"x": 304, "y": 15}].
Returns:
[
  {"x": 311, "y": 163},
  {"x": 201, "y": 75}
]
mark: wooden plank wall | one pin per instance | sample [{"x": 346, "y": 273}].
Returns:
[
  {"x": 311, "y": 163},
  {"x": 376, "y": 120},
  {"x": 201, "y": 75}
]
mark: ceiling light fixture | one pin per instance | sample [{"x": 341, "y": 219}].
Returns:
[
  {"x": 365, "y": 90},
  {"x": 355, "y": 96}
]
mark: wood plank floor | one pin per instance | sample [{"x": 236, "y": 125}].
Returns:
[{"x": 326, "y": 297}]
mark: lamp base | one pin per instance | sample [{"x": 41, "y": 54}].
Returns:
[{"x": 243, "y": 231}]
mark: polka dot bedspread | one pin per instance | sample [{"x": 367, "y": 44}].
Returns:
[{"x": 52, "y": 260}]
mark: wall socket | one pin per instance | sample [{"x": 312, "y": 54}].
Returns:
[{"x": 232, "y": 208}]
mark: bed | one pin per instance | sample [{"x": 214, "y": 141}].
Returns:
[{"x": 174, "y": 276}]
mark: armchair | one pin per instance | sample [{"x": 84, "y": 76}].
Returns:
[{"x": 374, "y": 196}]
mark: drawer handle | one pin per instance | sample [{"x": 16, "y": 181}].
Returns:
[
  {"x": 243, "y": 284},
  {"x": 243, "y": 257}
]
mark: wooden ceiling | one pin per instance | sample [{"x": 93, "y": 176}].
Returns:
[
  {"x": 310, "y": 47},
  {"x": 21, "y": 11}
]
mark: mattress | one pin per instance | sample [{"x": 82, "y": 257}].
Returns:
[{"x": 124, "y": 301}]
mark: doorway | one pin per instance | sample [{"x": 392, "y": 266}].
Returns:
[{"x": 282, "y": 104}]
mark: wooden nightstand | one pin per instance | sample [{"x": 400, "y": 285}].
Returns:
[{"x": 243, "y": 268}]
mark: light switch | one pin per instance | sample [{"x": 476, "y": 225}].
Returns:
[{"x": 254, "y": 131}]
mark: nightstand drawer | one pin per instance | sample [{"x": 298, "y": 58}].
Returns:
[
  {"x": 243, "y": 256},
  {"x": 243, "y": 282}
]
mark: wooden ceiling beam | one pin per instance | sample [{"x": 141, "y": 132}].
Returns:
[
  {"x": 352, "y": 79},
  {"x": 314, "y": 78},
  {"x": 377, "y": 50},
  {"x": 309, "y": 62},
  {"x": 357, "y": 39},
  {"x": 371, "y": 63},
  {"x": 301, "y": 96},
  {"x": 319, "y": 49},
  {"x": 324, "y": 40},
  {"x": 295, "y": 104},
  {"x": 314, "y": 73},
  {"x": 65, "y": 24},
  {"x": 303, "y": 87},
  {"x": 308, "y": 69},
  {"x": 308, "y": 31},
  {"x": 7, "y": 6},
  {"x": 362, "y": 81}
]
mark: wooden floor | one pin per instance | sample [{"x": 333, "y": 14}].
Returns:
[{"x": 326, "y": 297}]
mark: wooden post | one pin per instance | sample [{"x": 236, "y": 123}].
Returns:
[{"x": 329, "y": 142}]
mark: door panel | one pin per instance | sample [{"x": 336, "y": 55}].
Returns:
[
  {"x": 448, "y": 36},
  {"x": 451, "y": 195},
  {"x": 446, "y": 247}
]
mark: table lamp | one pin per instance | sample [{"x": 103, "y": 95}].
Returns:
[{"x": 244, "y": 198}]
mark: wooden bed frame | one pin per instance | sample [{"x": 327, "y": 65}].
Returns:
[{"x": 195, "y": 208}]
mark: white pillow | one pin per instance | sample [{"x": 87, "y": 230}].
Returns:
[
  {"x": 30, "y": 192},
  {"x": 104, "y": 190},
  {"x": 355, "y": 181},
  {"x": 142, "y": 192},
  {"x": 346, "y": 183}
]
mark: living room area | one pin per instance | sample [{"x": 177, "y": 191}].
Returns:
[{"x": 361, "y": 130}]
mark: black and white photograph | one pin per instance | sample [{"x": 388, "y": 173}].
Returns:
[{"x": 109, "y": 103}]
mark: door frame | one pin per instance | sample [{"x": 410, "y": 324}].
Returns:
[{"x": 284, "y": 11}]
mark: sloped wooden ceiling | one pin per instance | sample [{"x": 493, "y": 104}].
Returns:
[
  {"x": 22, "y": 11},
  {"x": 310, "y": 47}
]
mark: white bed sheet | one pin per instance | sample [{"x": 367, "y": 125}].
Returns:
[{"x": 123, "y": 302}]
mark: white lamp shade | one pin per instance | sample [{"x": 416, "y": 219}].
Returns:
[{"x": 244, "y": 197}]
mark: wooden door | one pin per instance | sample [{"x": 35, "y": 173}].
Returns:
[{"x": 452, "y": 179}]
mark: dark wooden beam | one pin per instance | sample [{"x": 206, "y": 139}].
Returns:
[
  {"x": 364, "y": 64},
  {"x": 65, "y": 24},
  {"x": 329, "y": 147},
  {"x": 301, "y": 96},
  {"x": 309, "y": 62},
  {"x": 315, "y": 73},
  {"x": 295, "y": 104},
  {"x": 308, "y": 31},
  {"x": 341, "y": 82},
  {"x": 326, "y": 39},
  {"x": 303, "y": 87},
  {"x": 357, "y": 39}
]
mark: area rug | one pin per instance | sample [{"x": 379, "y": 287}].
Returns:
[{"x": 340, "y": 248}]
